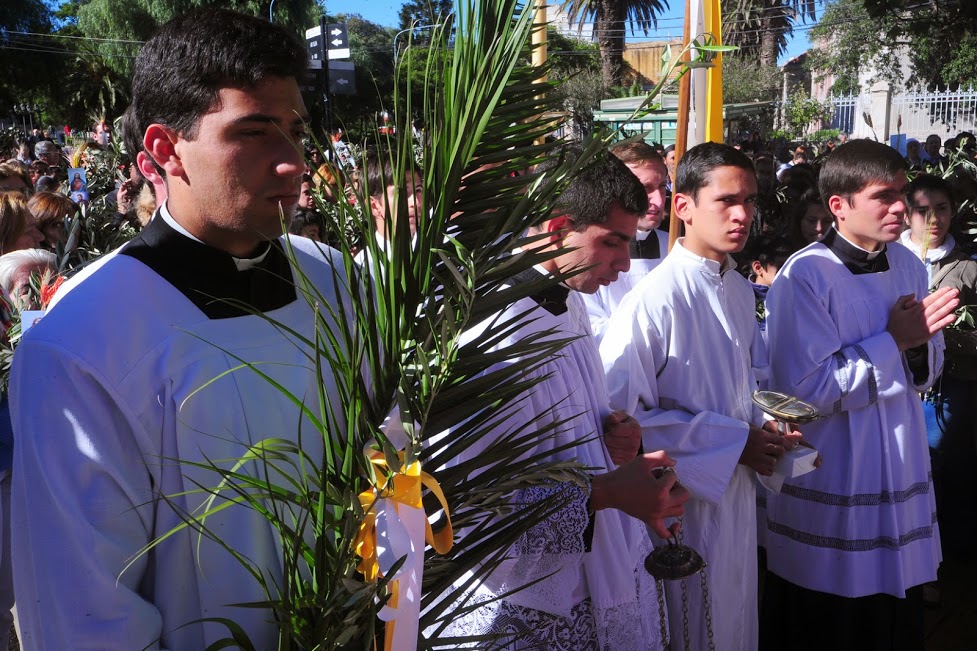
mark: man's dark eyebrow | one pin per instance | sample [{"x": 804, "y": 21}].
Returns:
[
  {"x": 884, "y": 191},
  {"x": 268, "y": 119},
  {"x": 623, "y": 236}
]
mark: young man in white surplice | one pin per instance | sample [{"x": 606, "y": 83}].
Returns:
[
  {"x": 649, "y": 244},
  {"x": 680, "y": 355},
  {"x": 577, "y": 580},
  {"x": 854, "y": 331}
]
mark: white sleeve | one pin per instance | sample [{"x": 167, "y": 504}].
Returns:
[
  {"x": 809, "y": 359},
  {"x": 706, "y": 446},
  {"x": 81, "y": 509}
]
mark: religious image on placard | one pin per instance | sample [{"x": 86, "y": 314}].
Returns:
[{"x": 77, "y": 184}]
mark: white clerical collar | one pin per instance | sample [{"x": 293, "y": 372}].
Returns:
[
  {"x": 712, "y": 265},
  {"x": 933, "y": 254},
  {"x": 871, "y": 255},
  {"x": 242, "y": 264},
  {"x": 641, "y": 235}
]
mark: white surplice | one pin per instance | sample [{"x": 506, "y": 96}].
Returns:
[
  {"x": 108, "y": 392},
  {"x": 602, "y": 304},
  {"x": 865, "y": 522},
  {"x": 679, "y": 355},
  {"x": 597, "y": 600}
]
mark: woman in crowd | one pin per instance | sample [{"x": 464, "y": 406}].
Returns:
[
  {"x": 17, "y": 229},
  {"x": 808, "y": 219},
  {"x": 50, "y": 210},
  {"x": 950, "y": 410}
]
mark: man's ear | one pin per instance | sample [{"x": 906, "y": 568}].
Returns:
[
  {"x": 756, "y": 268},
  {"x": 837, "y": 205},
  {"x": 557, "y": 228},
  {"x": 377, "y": 208},
  {"x": 684, "y": 206},
  {"x": 159, "y": 143}
]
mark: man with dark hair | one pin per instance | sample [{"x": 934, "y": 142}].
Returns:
[
  {"x": 573, "y": 581},
  {"x": 380, "y": 195},
  {"x": 141, "y": 350},
  {"x": 649, "y": 245},
  {"x": 681, "y": 355},
  {"x": 854, "y": 331}
]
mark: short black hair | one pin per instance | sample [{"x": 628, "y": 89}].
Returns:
[
  {"x": 378, "y": 172},
  {"x": 183, "y": 67},
  {"x": 928, "y": 183},
  {"x": 306, "y": 217},
  {"x": 795, "y": 209},
  {"x": 855, "y": 165},
  {"x": 131, "y": 135},
  {"x": 592, "y": 195},
  {"x": 693, "y": 170},
  {"x": 767, "y": 249}
]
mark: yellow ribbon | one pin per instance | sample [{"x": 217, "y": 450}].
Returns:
[{"x": 405, "y": 488}]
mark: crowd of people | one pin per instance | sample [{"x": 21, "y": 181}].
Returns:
[{"x": 834, "y": 276}]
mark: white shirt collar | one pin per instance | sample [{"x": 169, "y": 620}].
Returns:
[
  {"x": 711, "y": 265},
  {"x": 641, "y": 235},
  {"x": 242, "y": 264},
  {"x": 933, "y": 254}
]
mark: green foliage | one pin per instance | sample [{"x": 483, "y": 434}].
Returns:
[
  {"x": 575, "y": 64},
  {"x": 28, "y": 62},
  {"x": 938, "y": 40},
  {"x": 746, "y": 79},
  {"x": 371, "y": 51},
  {"x": 424, "y": 12},
  {"x": 825, "y": 135},
  {"x": 801, "y": 111}
]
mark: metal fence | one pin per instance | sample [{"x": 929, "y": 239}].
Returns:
[
  {"x": 844, "y": 109},
  {"x": 915, "y": 114}
]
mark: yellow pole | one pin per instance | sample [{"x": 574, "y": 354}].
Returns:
[
  {"x": 539, "y": 33},
  {"x": 682, "y": 128}
]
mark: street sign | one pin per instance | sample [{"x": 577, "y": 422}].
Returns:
[
  {"x": 342, "y": 78},
  {"x": 313, "y": 81},
  {"x": 335, "y": 45},
  {"x": 314, "y": 43}
]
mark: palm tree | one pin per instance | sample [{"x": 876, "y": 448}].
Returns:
[
  {"x": 760, "y": 27},
  {"x": 609, "y": 18}
]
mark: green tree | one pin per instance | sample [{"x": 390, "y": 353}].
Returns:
[
  {"x": 938, "y": 41},
  {"x": 801, "y": 112},
  {"x": 371, "y": 50},
  {"x": 424, "y": 12},
  {"x": 610, "y": 18},
  {"x": 28, "y": 61},
  {"x": 576, "y": 65},
  {"x": 760, "y": 27},
  {"x": 124, "y": 24},
  {"x": 747, "y": 80}
]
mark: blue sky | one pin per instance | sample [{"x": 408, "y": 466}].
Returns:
[{"x": 385, "y": 12}]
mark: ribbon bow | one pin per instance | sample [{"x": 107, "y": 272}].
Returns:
[{"x": 395, "y": 526}]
